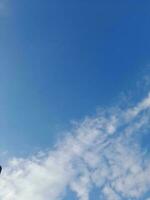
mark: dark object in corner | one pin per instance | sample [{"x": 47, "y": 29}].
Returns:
[{"x": 0, "y": 169}]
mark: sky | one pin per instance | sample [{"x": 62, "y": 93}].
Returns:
[{"x": 75, "y": 95}]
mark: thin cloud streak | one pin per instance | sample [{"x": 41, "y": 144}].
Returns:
[{"x": 101, "y": 152}]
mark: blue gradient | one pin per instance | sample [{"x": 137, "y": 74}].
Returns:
[{"x": 60, "y": 60}]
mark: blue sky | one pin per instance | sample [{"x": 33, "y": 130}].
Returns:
[{"x": 61, "y": 60}]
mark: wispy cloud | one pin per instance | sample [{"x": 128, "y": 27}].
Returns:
[{"x": 101, "y": 152}]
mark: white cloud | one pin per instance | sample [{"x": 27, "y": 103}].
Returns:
[{"x": 100, "y": 152}]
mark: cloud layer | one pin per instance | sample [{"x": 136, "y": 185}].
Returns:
[{"x": 101, "y": 152}]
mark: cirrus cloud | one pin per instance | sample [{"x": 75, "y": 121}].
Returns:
[{"x": 100, "y": 152}]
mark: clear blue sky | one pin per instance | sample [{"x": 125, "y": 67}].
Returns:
[{"x": 61, "y": 59}]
